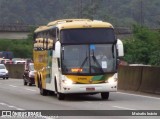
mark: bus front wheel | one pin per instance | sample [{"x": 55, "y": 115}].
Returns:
[
  {"x": 60, "y": 96},
  {"x": 105, "y": 95}
]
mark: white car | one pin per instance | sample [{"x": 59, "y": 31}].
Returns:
[{"x": 3, "y": 72}]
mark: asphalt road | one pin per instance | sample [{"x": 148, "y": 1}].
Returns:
[{"x": 15, "y": 96}]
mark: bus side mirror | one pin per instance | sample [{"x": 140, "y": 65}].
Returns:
[
  {"x": 57, "y": 53},
  {"x": 120, "y": 48}
]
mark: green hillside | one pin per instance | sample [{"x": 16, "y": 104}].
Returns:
[{"x": 118, "y": 12}]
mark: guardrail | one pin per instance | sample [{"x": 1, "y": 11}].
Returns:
[{"x": 15, "y": 27}]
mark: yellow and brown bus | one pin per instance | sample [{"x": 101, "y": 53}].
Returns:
[{"x": 76, "y": 56}]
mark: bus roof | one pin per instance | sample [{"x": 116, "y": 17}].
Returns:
[{"x": 74, "y": 23}]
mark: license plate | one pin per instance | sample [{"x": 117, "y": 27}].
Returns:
[{"x": 90, "y": 89}]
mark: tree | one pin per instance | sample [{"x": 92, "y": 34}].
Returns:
[{"x": 143, "y": 47}]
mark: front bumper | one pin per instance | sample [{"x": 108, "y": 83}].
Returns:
[
  {"x": 89, "y": 88},
  {"x": 4, "y": 76}
]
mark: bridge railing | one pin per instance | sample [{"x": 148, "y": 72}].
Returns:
[{"x": 15, "y": 27}]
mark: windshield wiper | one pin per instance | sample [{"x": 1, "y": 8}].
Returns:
[
  {"x": 99, "y": 68},
  {"x": 83, "y": 63}
]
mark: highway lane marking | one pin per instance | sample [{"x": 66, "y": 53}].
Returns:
[
  {"x": 124, "y": 108},
  {"x": 20, "y": 109},
  {"x": 30, "y": 90},
  {"x": 87, "y": 101},
  {"x": 12, "y": 86},
  {"x": 2, "y": 103},
  {"x": 20, "y": 87},
  {"x": 139, "y": 95},
  {"x": 11, "y": 106}
]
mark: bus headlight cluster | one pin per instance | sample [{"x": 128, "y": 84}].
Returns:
[
  {"x": 67, "y": 81},
  {"x": 111, "y": 80}
]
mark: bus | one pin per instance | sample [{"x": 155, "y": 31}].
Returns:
[{"x": 76, "y": 56}]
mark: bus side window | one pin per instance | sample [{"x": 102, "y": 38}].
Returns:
[
  {"x": 52, "y": 36},
  {"x": 47, "y": 41},
  {"x": 40, "y": 42},
  {"x": 43, "y": 41},
  {"x": 35, "y": 41}
]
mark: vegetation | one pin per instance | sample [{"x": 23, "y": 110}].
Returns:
[
  {"x": 143, "y": 47},
  {"x": 21, "y": 48},
  {"x": 119, "y": 12}
]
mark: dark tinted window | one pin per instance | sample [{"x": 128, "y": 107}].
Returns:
[{"x": 89, "y": 35}]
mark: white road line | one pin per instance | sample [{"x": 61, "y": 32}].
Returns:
[
  {"x": 12, "y": 86},
  {"x": 20, "y": 109},
  {"x": 88, "y": 102},
  {"x": 123, "y": 108},
  {"x": 2, "y": 103},
  {"x": 30, "y": 89},
  {"x": 139, "y": 95},
  {"x": 11, "y": 106}
]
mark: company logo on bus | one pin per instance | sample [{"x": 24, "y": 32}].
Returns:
[{"x": 90, "y": 81}]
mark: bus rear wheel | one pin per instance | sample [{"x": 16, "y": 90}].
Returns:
[
  {"x": 43, "y": 91},
  {"x": 105, "y": 95}
]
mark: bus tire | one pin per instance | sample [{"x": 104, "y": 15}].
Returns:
[
  {"x": 42, "y": 91},
  {"x": 60, "y": 96},
  {"x": 105, "y": 95},
  {"x": 38, "y": 83}
]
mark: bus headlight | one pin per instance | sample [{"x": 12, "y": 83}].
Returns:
[
  {"x": 111, "y": 80},
  {"x": 67, "y": 81}
]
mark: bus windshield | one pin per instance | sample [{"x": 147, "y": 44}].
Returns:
[
  {"x": 88, "y": 59},
  {"x": 87, "y": 36}
]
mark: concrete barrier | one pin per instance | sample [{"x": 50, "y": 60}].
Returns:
[
  {"x": 158, "y": 83},
  {"x": 15, "y": 70},
  {"x": 150, "y": 80},
  {"x": 129, "y": 78},
  {"x": 139, "y": 78}
]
